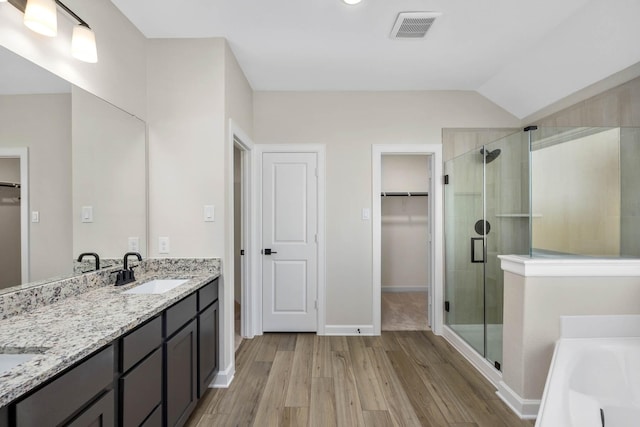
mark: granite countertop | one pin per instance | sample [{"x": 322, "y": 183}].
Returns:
[{"x": 67, "y": 331}]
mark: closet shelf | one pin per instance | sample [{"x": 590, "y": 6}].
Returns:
[{"x": 404, "y": 193}]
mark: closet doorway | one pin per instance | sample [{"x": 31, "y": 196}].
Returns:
[{"x": 405, "y": 242}]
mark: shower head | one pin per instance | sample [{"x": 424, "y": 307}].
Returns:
[{"x": 491, "y": 155}]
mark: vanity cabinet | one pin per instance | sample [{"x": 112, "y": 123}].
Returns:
[
  {"x": 152, "y": 376},
  {"x": 82, "y": 392},
  {"x": 208, "y": 330},
  {"x": 180, "y": 351},
  {"x": 140, "y": 383},
  {"x": 191, "y": 351}
]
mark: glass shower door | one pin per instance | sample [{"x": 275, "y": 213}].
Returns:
[
  {"x": 465, "y": 253},
  {"x": 507, "y": 214},
  {"x": 487, "y": 201}
]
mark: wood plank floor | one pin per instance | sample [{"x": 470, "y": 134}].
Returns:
[{"x": 408, "y": 378}]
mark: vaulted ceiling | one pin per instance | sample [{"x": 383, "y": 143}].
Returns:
[{"x": 521, "y": 54}]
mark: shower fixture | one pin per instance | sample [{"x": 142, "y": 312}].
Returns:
[{"x": 491, "y": 155}]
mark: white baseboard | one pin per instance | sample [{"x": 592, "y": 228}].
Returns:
[
  {"x": 223, "y": 378},
  {"x": 348, "y": 330},
  {"x": 527, "y": 409},
  {"x": 405, "y": 289}
]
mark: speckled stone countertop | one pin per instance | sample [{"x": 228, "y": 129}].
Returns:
[{"x": 68, "y": 330}]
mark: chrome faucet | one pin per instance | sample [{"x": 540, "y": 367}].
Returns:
[
  {"x": 93, "y": 254},
  {"x": 126, "y": 275}
]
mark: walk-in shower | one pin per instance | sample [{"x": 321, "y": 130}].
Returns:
[{"x": 540, "y": 192}]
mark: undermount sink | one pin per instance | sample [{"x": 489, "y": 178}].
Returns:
[
  {"x": 10, "y": 358},
  {"x": 158, "y": 286}
]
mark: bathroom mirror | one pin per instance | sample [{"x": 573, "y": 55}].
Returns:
[{"x": 86, "y": 188}]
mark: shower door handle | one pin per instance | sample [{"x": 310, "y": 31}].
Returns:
[{"x": 477, "y": 250}]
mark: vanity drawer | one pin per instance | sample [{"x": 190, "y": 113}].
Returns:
[
  {"x": 207, "y": 294},
  {"x": 141, "y": 390},
  {"x": 142, "y": 341},
  {"x": 179, "y": 314},
  {"x": 64, "y": 396}
]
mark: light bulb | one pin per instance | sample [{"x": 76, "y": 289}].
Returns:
[
  {"x": 83, "y": 44},
  {"x": 41, "y": 16}
]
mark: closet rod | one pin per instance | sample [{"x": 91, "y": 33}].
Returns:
[
  {"x": 9, "y": 184},
  {"x": 406, "y": 194}
]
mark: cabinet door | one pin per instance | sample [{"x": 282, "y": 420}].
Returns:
[
  {"x": 69, "y": 393},
  {"x": 181, "y": 375},
  {"x": 141, "y": 390},
  {"x": 207, "y": 346},
  {"x": 100, "y": 414}
]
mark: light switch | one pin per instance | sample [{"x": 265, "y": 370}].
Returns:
[
  {"x": 163, "y": 245},
  {"x": 87, "y": 214},
  {"x": 35, "y": 216},
  {"x": 134, "y": 244},
  {"x": 366, "y": 214},
  {"x": 209, "y": 213}
]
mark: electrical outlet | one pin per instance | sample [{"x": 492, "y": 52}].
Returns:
[
  {"x": 35, "y": 216},
  {"x": 163, "y": 245},
  {"x": 134, "y": 244}
]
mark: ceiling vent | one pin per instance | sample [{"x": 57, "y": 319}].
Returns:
[{"x": 413, "y": 25}]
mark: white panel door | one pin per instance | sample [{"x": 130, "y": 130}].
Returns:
[{"x": 289, "y": 227}]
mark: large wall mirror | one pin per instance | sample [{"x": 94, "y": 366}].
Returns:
[{"x": 85, "y": 189}]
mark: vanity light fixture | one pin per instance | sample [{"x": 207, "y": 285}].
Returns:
[
  {"x": 352, "y": 2},
  {"x": 41, "y": 16},
  {"x": 83, "y": 44}
]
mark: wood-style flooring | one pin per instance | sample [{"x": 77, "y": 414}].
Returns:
[{"x": 397, "y": 379}]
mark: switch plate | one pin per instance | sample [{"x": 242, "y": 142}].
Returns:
[
  {"x": 366, "y": 214},
  {"x": 35, "y": 216},
  {"x": 163, "y": 245},
  {"x": 87, "y": 214},
  {"x": 134, "y": 244},
  {"x": 209, "y": 213}
]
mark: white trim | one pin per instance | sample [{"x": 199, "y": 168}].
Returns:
[
  {"x": 320, "y": 150},
  {"x": 245, "y": 144},
  {"x": 226, "y": 339},
  {"x": 422, "y": 288},
  {"x": 526, "y": 409},
  {"x": 224, "y": 378},
  {"x": 436, "y": 291},
  {"x": 349, "y": 330},
  {"x": 22, "y": 153},
  {"x": 565, "y": 267},
  {"x": 480, "y": 363}
]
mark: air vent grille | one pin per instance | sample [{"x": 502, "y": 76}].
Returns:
[{"x": 413, "y": 25}]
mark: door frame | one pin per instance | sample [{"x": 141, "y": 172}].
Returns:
[
  {"x": 22, "y": 153},
  {"x": 256, "y": 291},
  {"x": 436, "y": 251}
]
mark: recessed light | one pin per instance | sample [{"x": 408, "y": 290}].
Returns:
[{"x": 352, "y": 1}]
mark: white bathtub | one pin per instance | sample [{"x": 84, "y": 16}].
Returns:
[{"x": 591, "y": 379}]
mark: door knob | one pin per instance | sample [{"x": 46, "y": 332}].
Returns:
[{"x": 268, "y": 251}]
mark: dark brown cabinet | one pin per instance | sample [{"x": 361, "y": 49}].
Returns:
[
  {"x": 181, "y": 374},
  {"x": 153, "y": 376},
  {"x": 60, "y": 400},
  {"x": 99, "y": 414},
  {"x": 208, "y": 328},
  {"x": 140, "y": 383}
]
